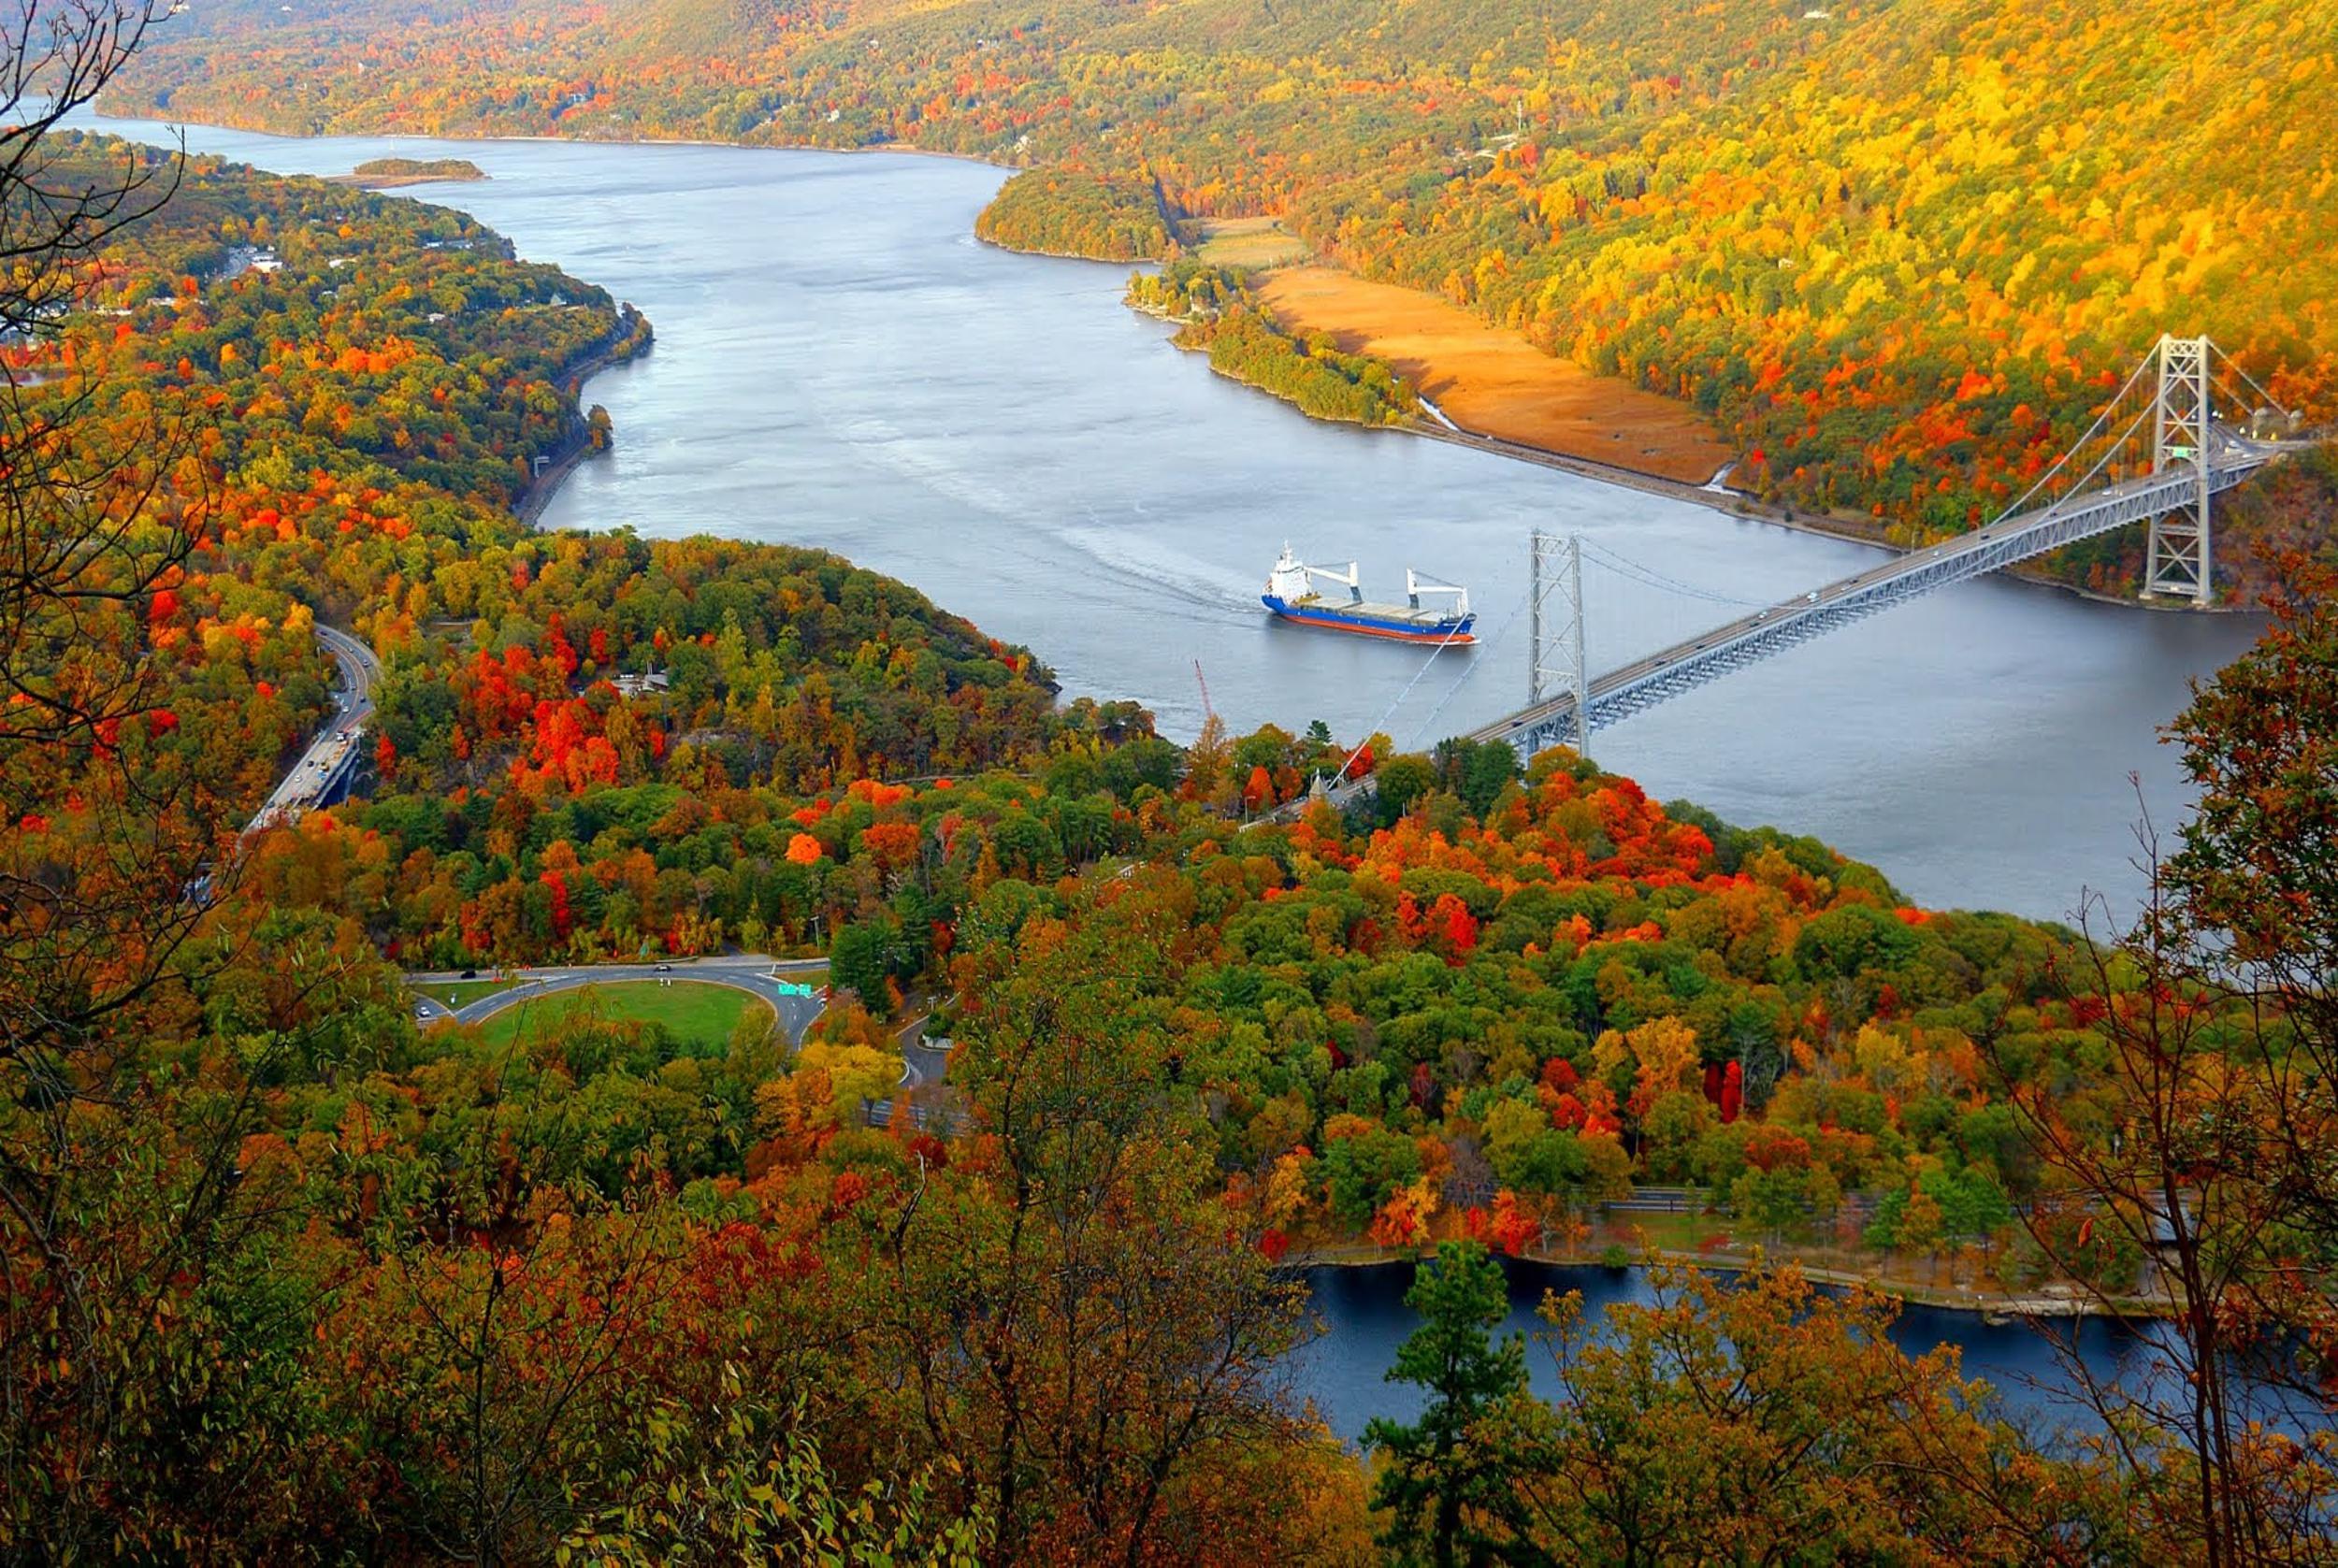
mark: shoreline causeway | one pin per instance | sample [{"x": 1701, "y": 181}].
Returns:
[{"x": 637, "y": 338}]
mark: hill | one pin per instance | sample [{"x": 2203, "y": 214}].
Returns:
[{"x": 288, "y": 1279}]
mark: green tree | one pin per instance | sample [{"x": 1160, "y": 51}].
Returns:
[
  {"x": 1483, "y": 770},
  {"x": 1403, "y": 780},
  {"x": 1437, "y": 1471},
  {"x": 862, "y": 959}
]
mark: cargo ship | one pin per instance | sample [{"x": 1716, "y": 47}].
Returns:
[{"x": 1290, "y": 593}]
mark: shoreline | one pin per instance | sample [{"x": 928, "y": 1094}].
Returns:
[
  {"x": 1990, "y": 1306},
  {"x": 1056, "y": 255},
  {"x": 1728, "y": 503},
  {"x": 1215, "y": 369},
  {"x": 143, "y": 118},
  {"x": 637, "y": 340},
  {"x": 398, "y": 181}
]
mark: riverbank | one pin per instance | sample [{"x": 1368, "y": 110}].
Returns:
[
  {"x": 1708, "y": 496},
  {"x": 1488, "y": 389},
  {"x": 2054, "y": 1301},
  {"x": 399, "y": 182},
  {"x": 633, "y": 339}
]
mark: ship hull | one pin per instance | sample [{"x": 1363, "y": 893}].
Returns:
[{"x": 1450, "y": 633}]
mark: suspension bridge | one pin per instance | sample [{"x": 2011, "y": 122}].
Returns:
[{"x": 2157, "y": 453}]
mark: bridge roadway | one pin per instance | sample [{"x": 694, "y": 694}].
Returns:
[
  {"x": 1685, "y": 666},
  {"x": 331, "y": 759}
]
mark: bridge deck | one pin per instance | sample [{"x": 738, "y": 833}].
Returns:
[{"x": 1686, "y": 664}]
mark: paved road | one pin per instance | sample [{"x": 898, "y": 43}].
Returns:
[
  {"x": 921, "y": 1064},
  {"x": 343, "y": 732},
  {"x": 923, "y": 1070},
  {"x": 757, "y": 976}
]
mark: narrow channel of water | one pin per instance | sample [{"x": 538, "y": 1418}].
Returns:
[{"x": 1344, "y": 1372}]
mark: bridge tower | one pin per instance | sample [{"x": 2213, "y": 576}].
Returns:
[
  {"x": 1556, "y": 662},
  {"x": 2178, "y": 564}
]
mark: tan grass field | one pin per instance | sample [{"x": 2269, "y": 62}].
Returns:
[
  {"x": 1493, "y": 382},
  {"x": 1248, "y": 242}
]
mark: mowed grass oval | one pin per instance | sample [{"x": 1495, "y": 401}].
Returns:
[{"x": 695, "y": 1013}]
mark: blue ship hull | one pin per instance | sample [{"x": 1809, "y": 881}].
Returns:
[{"x": 1374, "y": 621}]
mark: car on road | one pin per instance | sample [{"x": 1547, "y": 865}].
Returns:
[{"x": 663, "y": 968}]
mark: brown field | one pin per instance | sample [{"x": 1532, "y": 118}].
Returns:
[
  {"x": 1493, "y": 383},
  {"x": 1249, "y": 242}
]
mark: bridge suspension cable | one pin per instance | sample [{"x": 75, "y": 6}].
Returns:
[
  {"x": 1349, "y": 760},
  {"x": 2193, "y": 458},
  {"x": 2220, "y": 357},
  {"x": 1649, "y": 577},
  {"x": 1468, "y": 670},
  {"x": 2087, "y": 435}
]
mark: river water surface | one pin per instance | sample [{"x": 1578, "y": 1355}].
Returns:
[
  {"x": 839, "y": 362},
  {"x": 1364, "y": 1311}
]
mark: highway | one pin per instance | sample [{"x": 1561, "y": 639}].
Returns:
[
  {"x": 757, "y": 976},
  {"x": 335, "y": 753}
]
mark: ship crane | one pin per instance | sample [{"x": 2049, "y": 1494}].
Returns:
[
  {"x": 1416, "y": 586},
  {"x": 1350, "y": 579},
  {"x": 1291, "y": 566}
]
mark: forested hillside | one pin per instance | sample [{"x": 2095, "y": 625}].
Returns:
[
  {"x": 364, "y": 386},
  {"x": 290, "y": 1277},
  {"x": 1893, "y": 247}
]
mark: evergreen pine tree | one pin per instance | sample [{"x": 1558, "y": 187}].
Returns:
[{"x": 1438, "y": 1467}]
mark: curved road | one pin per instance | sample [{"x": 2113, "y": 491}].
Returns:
[
  {"x": 330, "y": 753},
  {"x": 757, "y": 976},
  {"x": 921, "y": 1064}
]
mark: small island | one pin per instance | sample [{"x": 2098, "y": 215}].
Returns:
[{"x": 384, "y": 174}]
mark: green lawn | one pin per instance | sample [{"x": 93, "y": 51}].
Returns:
[
  {"x": 1672, "y": 1232},
  {"x": 698, "y": 1015}
]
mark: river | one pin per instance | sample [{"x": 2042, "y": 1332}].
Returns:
[{"x": 840, "y": 363}]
